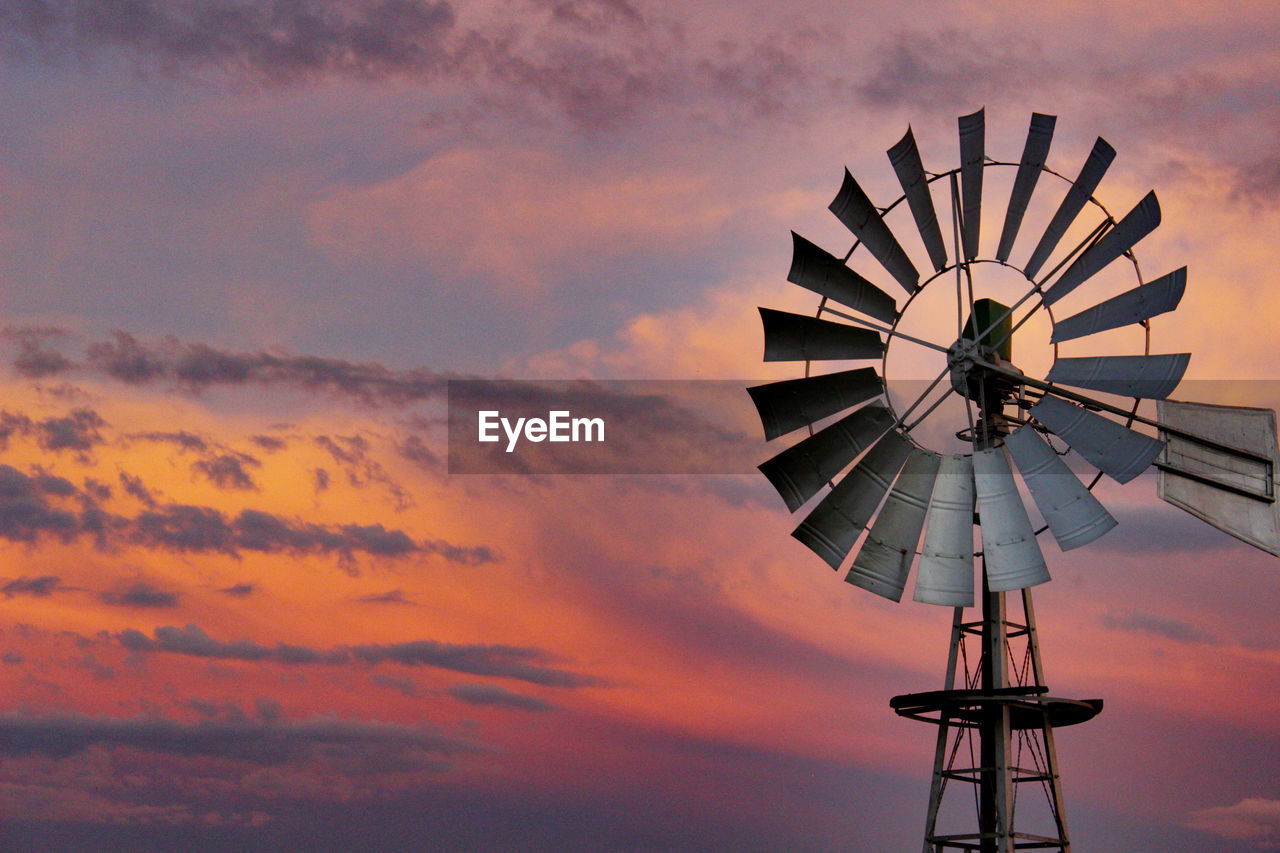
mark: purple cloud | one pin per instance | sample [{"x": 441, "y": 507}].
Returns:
[
  {"x": 228, "y": 471},
  {"x": 141, "y": 594},
  {"x": 268, "y": 742},
  {"x": 522, "y": 663},
  {"x": 40, "y": 587},
  {"x": 278, "y": 41},
  {"x": 489, "y": 694}
]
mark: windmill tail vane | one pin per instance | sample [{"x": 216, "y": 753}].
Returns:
[{"x": 888, "y": 502}]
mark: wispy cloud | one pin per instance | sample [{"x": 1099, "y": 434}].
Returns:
[
  {"x": 1157, "y": 625},
  {"x": 391, "y": 596},
  {"x": 1258, "y": 183},
  {"x": 194, "y": 367},
  {"x": 26, "y": 511},
  {"x": 228, "y": 471},
  {"x": 522, "y": 663},
  {"x": 78, "y": 431},
  {"x": 519, "y": 662},
  {"x": 141, "y": 593},
  {"x": 40, "y": 504},
  {"x": 941, "y": 69},
  {"x": 199, "y": 366},
  {"x": 597, "y": 64},
  {"x": 41, "y": 587},
  {"x": 194, "y": 642},
  {"x": 180, "y": 439},
  {"x": 1253, "y": 820},
  {"x": 490, "y": 694},
  {"x": 261, "y": 741},
  {"x": 279, "y": 41}
]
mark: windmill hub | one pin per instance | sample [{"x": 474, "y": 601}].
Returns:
[
  {"x": 986, "y": 339},
  {"x": 963, "y": 357},
  {"x": 967, "y": 360}
]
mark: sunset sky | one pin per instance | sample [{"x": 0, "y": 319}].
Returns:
[{"x": 245, "y": 605}]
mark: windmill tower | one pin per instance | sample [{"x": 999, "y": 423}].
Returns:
[{"x": 888, "y": 498}]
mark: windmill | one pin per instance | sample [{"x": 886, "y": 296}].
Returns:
[{"x": 889, "y": 501}]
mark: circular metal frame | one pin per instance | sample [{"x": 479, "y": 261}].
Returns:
[
  {"x": 1036, "y": 289},
  {"x": 1029, "y": 707}
]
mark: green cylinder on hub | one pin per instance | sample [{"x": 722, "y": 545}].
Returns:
[{"x": 985, "y": 312}]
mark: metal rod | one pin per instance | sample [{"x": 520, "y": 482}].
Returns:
[
  {"x": 996, "y": 793},
  {"x": 929, "y": 411},
  {"x": 937, "y": 786},
  {"x": 886, "y": 331},
  {"x": 1093, "y": 237},
  {"x": 1092, "y": 402},
  {"x": 955, "y": 239},
  {"x": 956, "y": 225},
  {"x": 903, "y": 417},
  {"x": 1057, "y": 801}
]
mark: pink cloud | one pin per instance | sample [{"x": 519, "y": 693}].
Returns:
[{"x": 1255, "y": 820}]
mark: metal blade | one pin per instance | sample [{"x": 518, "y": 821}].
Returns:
[
  {"x": 823, "y": 273},
  {"x": 973, "y": 133},
  {"x": 1133, "y": 306},
  {"x": 1232, "y": 491},
  {"x": 1034, "y": 154},
  {"x": 1074, "y": 515},
  {"x": 1074, "y": 201},
  {"x": 1151, "y": 376},
  {"x": 945, "y": 575},
  {"x": 905, "y": 157},
  {"x": 834, "y": 525},
  {"x": 852, "y": 207},
  {"x": 793, "y": 403},
  {"x": 884, "y": 562},
  {"x": 795, "y": 337},
  {"x": 1009, "y": 549},
  {"x": 1136, "y": 224},
  {"x": 1116, "y": 450},
  {"x": 800, "y": 471}
]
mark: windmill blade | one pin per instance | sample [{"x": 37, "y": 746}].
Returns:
[
  {"x": 1117, "y": 451},
  {"x": 945, "y": 575},
  {"x": 1034, "y": 155},
  {"x": 818, "y": 270},
  {"x": 1133, "y": 306},
  {"x": 1074, "y": 515},
  {"x": 834, "y": 525},
  {"x": 1009, "y": 549},
  {"x": 1151, "y": 376},
  {"x": 852, "y": 207},
  {"x": 883, "y": 563},
  {"x": 973, "y": 133},
  {"x": 800, "y": 471},
  {"x": 1136, "y": 224},
  {"x": 794, "y": 403},
  {"x": 1074, "y": 201},
  {"x": 905, "y": 157},
  {"x": 795, "y": 337}
]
